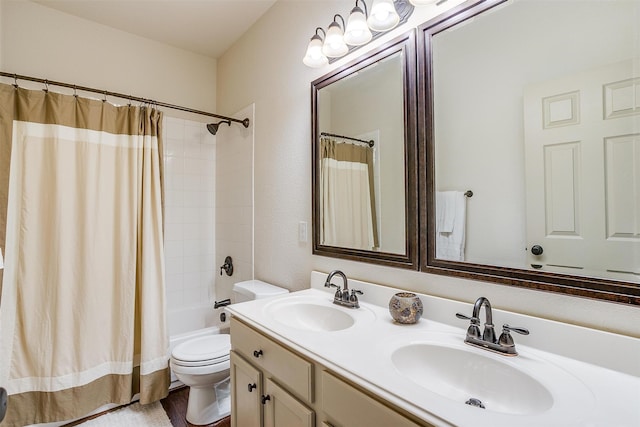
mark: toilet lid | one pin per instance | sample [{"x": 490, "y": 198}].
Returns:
[{"x": 203, "y": 351}]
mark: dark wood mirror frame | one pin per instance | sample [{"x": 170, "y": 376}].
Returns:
[
  {"x": 601, "y": 289},
  {"x": 407, "y": 45}
]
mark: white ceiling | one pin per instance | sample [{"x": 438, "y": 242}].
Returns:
[{"x": 208, "y": 27}]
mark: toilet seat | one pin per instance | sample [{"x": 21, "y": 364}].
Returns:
[{"x": 204, "y": 351}]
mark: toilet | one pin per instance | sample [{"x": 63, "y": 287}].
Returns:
[{"x": 202, "y": 363}]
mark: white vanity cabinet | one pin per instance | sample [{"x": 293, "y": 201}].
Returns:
[{"x": 273, "y": 386}]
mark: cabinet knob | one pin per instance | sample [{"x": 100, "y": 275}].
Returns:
[
  {"x": 251, "y": 387},
  {"x": 265, "y": 399},
  {"x": 257, "y": 353}
]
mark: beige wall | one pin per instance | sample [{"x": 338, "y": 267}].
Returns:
[
  {"x": 266, "y": 67},
  {"x": 41, "y": 42}
]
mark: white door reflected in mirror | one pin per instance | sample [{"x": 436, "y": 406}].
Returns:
[{"x": 538, "y": 71}]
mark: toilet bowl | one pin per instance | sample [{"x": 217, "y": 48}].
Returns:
[{"x": 203, "y": 363}]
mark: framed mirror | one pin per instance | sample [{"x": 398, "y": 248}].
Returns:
[
  {"x": 364, "y": 168},
  {"x": 533, "y": 109}
]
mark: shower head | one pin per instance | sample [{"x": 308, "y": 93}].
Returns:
[{"x": 213, "y": 127}]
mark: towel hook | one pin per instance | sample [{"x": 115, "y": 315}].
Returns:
[
  {"x": 46, "y": 86},
  {"x": 15, "y": 81},
  {"x": 468, "y": 193}
]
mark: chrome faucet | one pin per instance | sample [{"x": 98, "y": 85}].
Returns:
[
  {"x": 487, "y": 340},
  {"x": 342, "y": 296}
]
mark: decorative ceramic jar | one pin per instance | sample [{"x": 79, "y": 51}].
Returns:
[{"x": 405, "y": 307}]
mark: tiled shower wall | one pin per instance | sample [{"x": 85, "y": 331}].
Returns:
[{"x": 190, "y": 245}]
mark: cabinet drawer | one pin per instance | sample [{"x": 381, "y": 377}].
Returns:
[
  {"x": 349, "y": 407},
  {"x": 287, "y": 368}
]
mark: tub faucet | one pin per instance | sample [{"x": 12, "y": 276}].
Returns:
[
  {"x": 342, "y": 296},
  {"x": 487, "y": 340}
]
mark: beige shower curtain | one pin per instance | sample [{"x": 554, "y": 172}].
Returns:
[
  {"x": 347, "y": 202},
  {"x": 82, "y": 319}
]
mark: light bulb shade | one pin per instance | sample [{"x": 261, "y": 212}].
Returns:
[
  {"x": 357, "y": 32},
  {"x": 334, "y": 45},
  {"x": 383, "y": 16},
  {"x": 314, "y": 57},
  {"x": 421, "y": 2}
]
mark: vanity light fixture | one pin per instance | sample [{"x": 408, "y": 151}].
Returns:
[
  {"x": 357, "y": 32},
  {"x": 334, "y": 45},
  {"x": 314, "y": 57},
  {"x": 383, "y": 16},
  {"x": 362, "y": 26}
]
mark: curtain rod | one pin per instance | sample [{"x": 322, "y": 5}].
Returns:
[
  {"x": 369, "y": 142},
  {"x": 106, "y": 93}
]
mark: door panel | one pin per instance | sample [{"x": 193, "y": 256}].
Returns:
[{"x": 582, "y": 149}]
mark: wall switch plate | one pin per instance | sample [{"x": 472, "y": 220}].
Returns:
[{"x": 302, "y": 232}]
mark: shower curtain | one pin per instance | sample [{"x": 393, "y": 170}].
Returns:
[
  {"x": 82, "y": 319},
  {"x": 347, "y": 202}
]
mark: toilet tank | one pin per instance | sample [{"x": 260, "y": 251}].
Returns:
[{"x": 255, "y": 289}]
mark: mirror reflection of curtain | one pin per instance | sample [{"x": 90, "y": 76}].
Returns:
[
  {"x": 82, "y": 320},
  {"x": 347, "y": 202}
]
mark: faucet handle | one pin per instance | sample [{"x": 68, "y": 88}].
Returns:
[
  {"x": 506, "y": 339},
  {"x": 474, "y": 328},
  {"x": 353, "y": 299},
  {"x": 522, "y": 331},
  {"x": 465, "y": 317},
  {"x": 354, "y": 294},
  {"x": 473, "y": 320},
  {"x": 338, "y": 294}
]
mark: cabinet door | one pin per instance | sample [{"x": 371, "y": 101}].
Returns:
[
  {"x": 246, "y": 388},
  {"x": 283, "y": 410},
  {"x": 349, "y": 407}
]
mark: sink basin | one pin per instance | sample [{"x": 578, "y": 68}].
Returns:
[
  {"x": 460, "y": 374},
  {"x": 313, "y": 317},
  {"x": 315, "y": 314}
]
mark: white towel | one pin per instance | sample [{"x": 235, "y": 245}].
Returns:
[
  {"x": 445, "y": 211},
  {"x": 450, "y": 225}
]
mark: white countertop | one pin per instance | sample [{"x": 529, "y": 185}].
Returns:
[{"x": 584, "y": 394}]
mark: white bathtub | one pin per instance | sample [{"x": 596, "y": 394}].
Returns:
[{"x": 194, "y": 318}]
